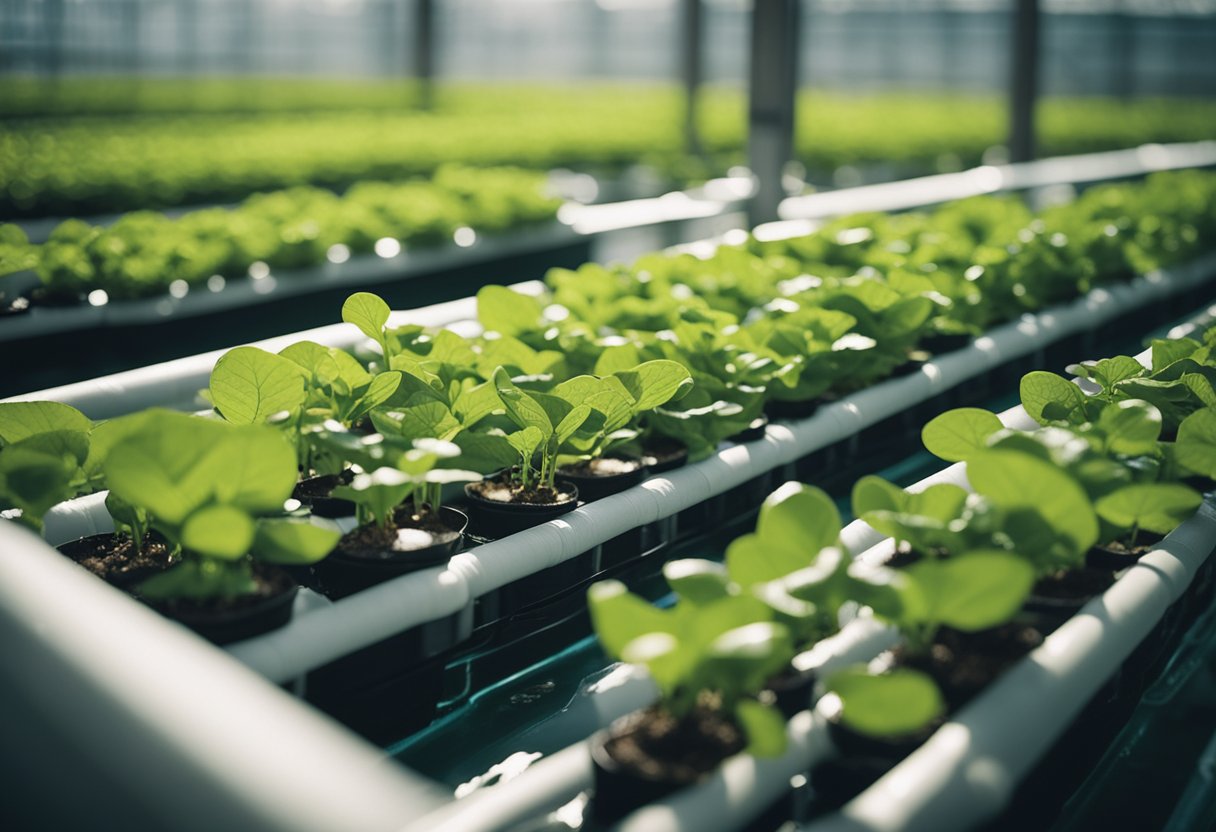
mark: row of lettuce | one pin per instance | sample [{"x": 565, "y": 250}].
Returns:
[
  {"x": 144, "y": 252},
  {"x": 1107, "y": 472},
  {"x": 101, "y": 164},
  {"x": 608, "y": 363}
]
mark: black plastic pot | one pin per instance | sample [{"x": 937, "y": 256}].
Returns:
[
  {"x": 224, "y": 626},
  {"x": 664, "y": 455},
  {"x": 938, "y": 344},
  {"x": 861, "y": 761},
  {"x": 594, "y": 486},
  {"x": 1115, "y": 560},
  {"x": 493, "y": 519},
  {"x": 344, "y": 573},
  {"x": 325, "y": 506},
  {"x": 912, "y": 365},
  {"x": 1048, "y": 612},
  {"x": 782, "y": 409},
  {"x": 852, "y": 743},
  {"x": 837, "y": 781},
  {"x": 389, "y": 689},
  {"x": 754, "y": 430},
  {"x": 556, "y": 584},
  {"x": 792, "y": 691}
]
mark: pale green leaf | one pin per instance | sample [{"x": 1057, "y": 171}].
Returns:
[
  {"x": 218, "y": 531},
  {"x": 249, "y": 385},
  {"x": 957, "y": 434}
]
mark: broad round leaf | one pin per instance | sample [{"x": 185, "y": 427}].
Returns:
[
  {"x": 619, "y": 617},
  {"x": 1048, "y": 397},
  {"x": 1195, "y": 447},
  {"x": 294, "y": 541},
  {"x": 252, "y": 466},
  {"x": 164, "y": 467},
  {"x": 1015, "y": 480},
  {"x": 507, "y": 311},
  {"x": 751, "y": 560},
  {"x": 1132, "y": 427},
  {"x": 976, "y": 591},
  {"x": 697, "y": 581},
  {"x": 655, "y": 383},
  {"x": 218, "y": 531},
  {"x": 249, "y": 385},
  {"x": 368, "y": 312},
  {"x": 799, "y": 516},
  {"x": 871, "y": 493},
  {"x": 891, "y": 705},
  {"x": 1156, "y": 507},
  {"x": 957, "y": 434},
  {"x": 21, "y": 420}
]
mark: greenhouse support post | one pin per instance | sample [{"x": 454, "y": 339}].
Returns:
[
  {"x": 1023, "y": 80},
  {"x": 692, "y": 63},
  {"x": 424, "y": 51},
  {"x": 772, "y": 82}
]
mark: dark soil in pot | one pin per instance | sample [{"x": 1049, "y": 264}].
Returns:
[
  {"x": 662, "y": 454},
  {"x": 604, "y": 476},
  {"x": 314, "y": 492},
  {"x": 369, "y": 554},
  {"x": 963, "y": 664},
  {"x": 112, "y": 557},
  {"x": 225, "y": 620},
  {"x": 1116, "y": 555},
  {"x": 754, "y": 430},
  {"x": 649, "y": 754},
  {"x": 497, "y": 509}
]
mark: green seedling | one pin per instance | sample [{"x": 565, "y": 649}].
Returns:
[
  {"x": 545, "y": 422},
  {"x": 394, "y": 476},
  {"x": 716, "y": 654},
  {"x": 44, "y": 457},
  {"x": 212, "y": 490}
]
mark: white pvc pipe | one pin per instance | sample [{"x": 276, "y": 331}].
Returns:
[
  {"x": 1078, "y": 169},
  {"x": 192, "y": 740}
]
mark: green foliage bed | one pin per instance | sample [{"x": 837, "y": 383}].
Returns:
[{"x": 177, "y": 143}]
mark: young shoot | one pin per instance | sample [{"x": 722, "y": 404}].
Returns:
[
  {"x": 716, "y": 654},
  {"x": 216, "y": 493},
  {"x": 400, "y": 477},
  {"x": 44, "y": 458},
  {"x": 545, "y": 422}
]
